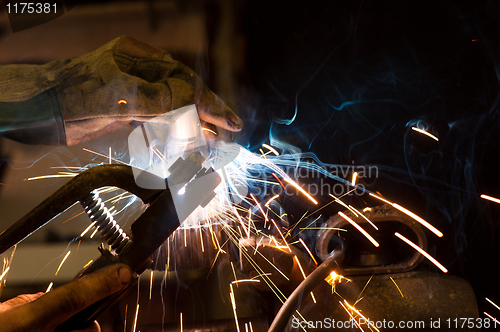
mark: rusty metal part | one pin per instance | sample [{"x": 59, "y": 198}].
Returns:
[
  {"x": 204, "y": 301},
  {"x": 259, "y": 256},
  {"x": 192, "y": 248},
  {"x": 422, "y": 300},
  {"x": 367, "y": 259},
  {"x": 259, "y": 324}
]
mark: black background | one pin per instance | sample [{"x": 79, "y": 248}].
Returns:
[{"x": 395, "y": 64}]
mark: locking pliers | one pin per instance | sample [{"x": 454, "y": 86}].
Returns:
[{"x": 147, "y": 233}]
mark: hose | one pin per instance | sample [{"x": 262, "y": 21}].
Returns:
[{"x": 305, "y": 287}]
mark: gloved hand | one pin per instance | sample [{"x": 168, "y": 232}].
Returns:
[
  {"x": 92, "y": 94},
  {"x": 43, "y": 312}
]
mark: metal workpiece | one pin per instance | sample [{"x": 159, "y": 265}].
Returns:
[
  {"x": 203, "y": 298},
  {"x": 392, "y": 256},
  {"x": 183, "y": 171},
  {"x": 280, "y": 265},
  {"x": 414, "y": 301},
  {"x": 192, "y": 248}
]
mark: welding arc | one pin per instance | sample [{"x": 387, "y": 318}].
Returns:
[
  {"x": 305, "y": 287},
  {"x": 105, "y": 222}
]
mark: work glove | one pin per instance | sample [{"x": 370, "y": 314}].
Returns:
[{"x": 70, "y": 101}]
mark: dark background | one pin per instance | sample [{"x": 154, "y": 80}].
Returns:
[{"x": 360, "y": 74}]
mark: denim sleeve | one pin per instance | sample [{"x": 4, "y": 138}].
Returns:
[{"x": 37, "y": 120}]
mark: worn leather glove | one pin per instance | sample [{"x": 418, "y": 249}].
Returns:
[{"x": 69, "y": 101}]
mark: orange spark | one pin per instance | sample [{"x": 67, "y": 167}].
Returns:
[
  {"x": 4, "y": 273},
  {"x": 365, "y": 233},
  {"x": 247, "y": 231},
  {"x": 209, "y": 130},
  {"x": 258, "y": 243},
  {"x": 244, "y": 280},
  {"x": 52, "y": 176},
  {"x": 233, "y": 302},
  {"x": 493, "y": 199},
  {"x": 356, "y": 212},
  {"x": 136, "y": 314},
  {"x": 76, "y": 215},
  {"x": 308, "y": 251},
  {"x": 234, "y": 272},
  {"x": 286, "y": 243},
  {"x": 412, "y": 215},
  {"x": 343, "y": 306},
  {"x": 370, "y": 323},
  {"x": 354, "y": 176},
  {"x": 260, "y": 208},
  {"x": 50, "y": 287},
  {"x": 494, "y": 304},
  {"x": 382, "y": 199},
  {"x": 122, "y": 101},
  {"x": 201, "y": 241},
  {"x": 88, "y": 228},
  {"x": 491, "y": 317},
  {"x": 249, "y": 222},
  {"x": 425, "y": 133},
  {"x": 64, "y": 259},
  {"x": 420, "y": 220},
  {"x": 94, "y": 233},
  {"x": 276, "y": 242},
  {"x": 90, "y": 262},
  {"x": 303, "y": 274},
  {"x": 334, "y": 278},
  {"x": 151, "y": 284},
  {"x": 271, "y": 199},
  {"x": 282, "y": 185},
  {"x": 400, "y": 292},
  {"x": 270, "y": 148},
  {"x": 125, "y": 322},
  {"x": 300, "y": 189},
  {"x": 426, "y": 255}
]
